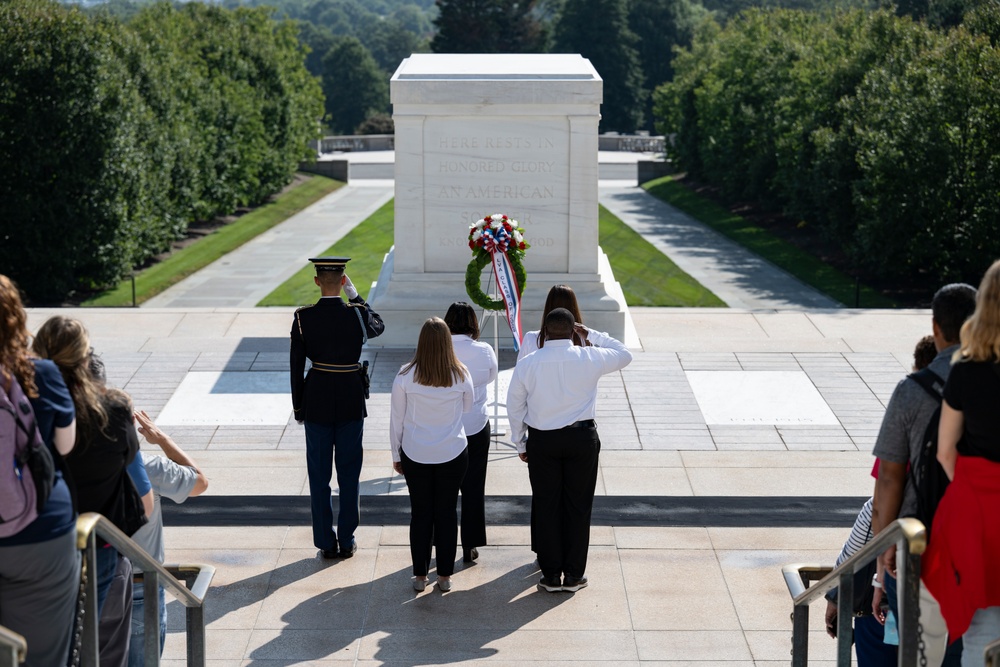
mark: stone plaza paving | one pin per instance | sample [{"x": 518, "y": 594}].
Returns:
[{"x": 724, "y": 418}]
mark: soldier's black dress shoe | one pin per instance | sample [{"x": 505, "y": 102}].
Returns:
[
  {"x": 347, "y": 553},
  {"x": 329, "y": 553},
  {"x": 470, "y": 555}
]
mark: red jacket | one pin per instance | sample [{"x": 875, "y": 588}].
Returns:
[{"x": 961, "y": 567}]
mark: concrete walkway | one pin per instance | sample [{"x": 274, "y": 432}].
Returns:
[
  {"x": 248, "y": 274},
  {"x": 736, "y": 275},
  {"x": 683, "y": 588},
  {"x": 245, "y": 276}
]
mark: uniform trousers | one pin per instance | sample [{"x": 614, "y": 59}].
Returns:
[
  {"x": 433, "y": 491},
  {"x": 38, "y": 587},
  {"x": 562, "y": 469},
  {"x": 474, "y": 490},
  {"x": 327, "y": 445}
]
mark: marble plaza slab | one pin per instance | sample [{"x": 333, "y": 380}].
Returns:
[
  {"x": 759, "y": 397},
  {"x": 252, "y": 398}
]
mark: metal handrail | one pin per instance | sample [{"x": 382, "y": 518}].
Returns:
[
  {"x": 991, "y": 654},
  {"x": 191, "y": 594},
  {"x": 910, "y": 538},
  {"x": 13, "y": 648}
]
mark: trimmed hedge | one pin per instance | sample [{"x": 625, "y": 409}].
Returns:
[
  {"x": 114, "y": 137},
  {"x": 882, "y": 131}
]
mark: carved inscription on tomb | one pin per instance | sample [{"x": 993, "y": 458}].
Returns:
[{"x": 519, "y": 167}]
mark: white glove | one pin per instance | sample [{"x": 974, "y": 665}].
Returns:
[{"x": 349, "y": 289}]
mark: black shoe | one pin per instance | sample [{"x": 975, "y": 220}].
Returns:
[
  {"x": 470, "y": 555},
  {"x": 550, "y": 584},
  {"x": 573, "y": 584},
  {"x": 329, "y": 554},
  {"x": 350, "y": 551}
]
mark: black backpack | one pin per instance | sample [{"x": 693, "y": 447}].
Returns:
[{"x": 927, "y": 476}]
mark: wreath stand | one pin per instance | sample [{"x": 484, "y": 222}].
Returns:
[{"x": 495, "y": 431}]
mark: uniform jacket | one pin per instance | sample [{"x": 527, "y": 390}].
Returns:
[{"x": 329, "y": 332}]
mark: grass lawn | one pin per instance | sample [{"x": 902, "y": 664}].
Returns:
[
  {"x": 647, "y": 276},
  {"x": 797, "y": 262},
  {"x": 186, "y": 261},
  {"x": 366, "y": 244}
]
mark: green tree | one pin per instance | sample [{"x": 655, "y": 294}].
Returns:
[
  {"x": 598, "y": 30},
  {"x": 661, "y": 26},
  {"x": 73, "y": 170},
  {"x": 390, "y": 42},
  {"x": 939, "y": 108},
  {"x": 487, "y": 26},
  {"x": 354, "y": 85}
]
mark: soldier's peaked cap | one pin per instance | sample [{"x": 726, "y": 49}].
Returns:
[{"x": 330, "y": 263}]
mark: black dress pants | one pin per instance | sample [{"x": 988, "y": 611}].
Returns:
[
  {"x": 474, "y": 490},
  {"x": 562, "y": 468},
  {"x": 434, "y": 511}
]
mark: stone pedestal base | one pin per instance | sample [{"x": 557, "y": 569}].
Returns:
[{"x": 406, "y": 300}]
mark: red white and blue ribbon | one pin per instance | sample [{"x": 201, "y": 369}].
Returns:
[{"x": 507, "y": 286}]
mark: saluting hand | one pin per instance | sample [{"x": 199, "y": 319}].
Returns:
[{"x": 349, "y": 289}]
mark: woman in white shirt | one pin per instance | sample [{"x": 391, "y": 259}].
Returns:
[
  {"x": 481, "y": 362},
  {"x": 560, "y": 296},
  {"x": 429, "y": 397}
]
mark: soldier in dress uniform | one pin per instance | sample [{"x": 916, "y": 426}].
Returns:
[{"x": 330, "y": 400}]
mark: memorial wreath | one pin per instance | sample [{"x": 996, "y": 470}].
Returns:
[{"x": 492, "y": 234}]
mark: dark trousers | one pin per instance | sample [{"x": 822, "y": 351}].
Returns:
[
  {"x": 328, "y": 445},
  {"x": 868, "y": 644},
  {"x": 474, "y": 490},
  {"x": 562, "y": 468},
  {"x": 433, "y": 511}
]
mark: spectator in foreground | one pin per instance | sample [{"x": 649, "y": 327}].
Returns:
[
  {"x": 898, "y": 447},
  {"x": 960, "y": 566},
  {"x": 39, "y": 562},
  {"x": 177, "y": 477}
]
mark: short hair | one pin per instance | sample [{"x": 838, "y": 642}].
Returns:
[
  {"x": 330, "y": 277},
  {"x": 559, "y": 324},
  {"x": 924, "y": 353},
  {"x": 952, "y": 305},
  {"x": 461, "y": 320}
]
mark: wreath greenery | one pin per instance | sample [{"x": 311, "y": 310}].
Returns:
[
  {"x": 494, "y": 233},
  {"x": 473, "y": 280}
]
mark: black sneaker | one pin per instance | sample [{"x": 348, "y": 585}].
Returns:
[
  {"x": 550, "y": 584},
  {"x": 573, "y": 584}
]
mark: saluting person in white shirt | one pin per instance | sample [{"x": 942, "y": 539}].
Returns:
[
  {"x": 429, "y": 397},
  {"x": 559, "y": 296},
  {"x": 481, "y": 362},
  {"x": 551, "y": 404}
]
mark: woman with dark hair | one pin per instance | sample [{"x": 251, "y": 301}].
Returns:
[
  {"x": 429, "y": 397},
  {"x": 106, "y": 440},
  {"x": 960, "y": 564},
  {"x": 481, "y": 362},
  {"x": 560, "y": 296},
  {"x": 39, "y": 564}
]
